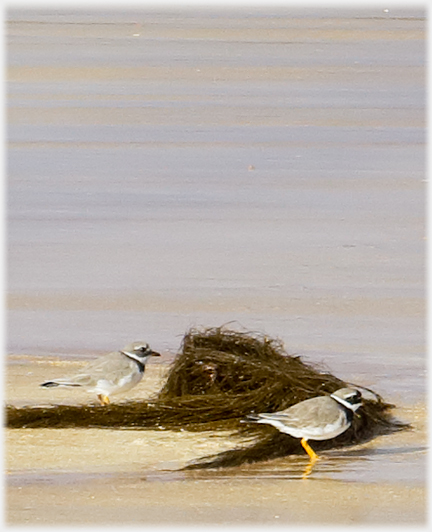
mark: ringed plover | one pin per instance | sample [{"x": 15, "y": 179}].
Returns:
[
  {"x": 111, "y": 374},
  {"x": 319, "y": 418}
]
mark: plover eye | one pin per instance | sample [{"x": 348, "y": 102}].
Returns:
[
  {"x": 355, "y": 398},
  {"x": 144, "y": 348}
]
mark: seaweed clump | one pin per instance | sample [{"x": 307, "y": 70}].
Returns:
[
  {"x": 224, "y": 374},
  {"x": 219, "y": 377}
]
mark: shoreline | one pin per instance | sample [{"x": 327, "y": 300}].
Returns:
[{"x": 97, "y": 476}]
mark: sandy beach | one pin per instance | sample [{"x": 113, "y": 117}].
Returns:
[{"x": 104, "y": 476}]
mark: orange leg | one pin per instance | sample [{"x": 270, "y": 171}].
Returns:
[
  {"x": 312, "y": 455},
  {"x": 104, "y": 399},
  {"x": 308, "y": 469}
]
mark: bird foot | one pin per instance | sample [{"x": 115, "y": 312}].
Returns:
[{"x": 104, "y": 399}]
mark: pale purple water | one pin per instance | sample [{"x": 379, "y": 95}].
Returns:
[{"x": 134, "y": 211}]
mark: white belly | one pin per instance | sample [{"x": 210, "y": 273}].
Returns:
[{"x": 124, "y": 384}]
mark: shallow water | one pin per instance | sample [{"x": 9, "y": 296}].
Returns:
[
  {"x": 168, "y": 170},
  {"x": 361, "y": 465}
]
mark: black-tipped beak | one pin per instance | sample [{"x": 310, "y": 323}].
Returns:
[{"x": 155, "y": 354}]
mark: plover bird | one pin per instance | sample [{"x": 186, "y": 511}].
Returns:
[
  {"x": 319, "y": 418},
  {"x": 111, "y": 374}
]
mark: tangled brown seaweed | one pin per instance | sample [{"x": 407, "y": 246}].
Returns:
[{"x": 219, "y": 377}]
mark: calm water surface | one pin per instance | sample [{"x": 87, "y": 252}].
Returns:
[{"x": 192, "y": 168}]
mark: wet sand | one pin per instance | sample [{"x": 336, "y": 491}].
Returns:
[
  {"x": 175, "y": 169},
  {"x": 121, "y": 499},
  {"x": 96, "y": 476}
]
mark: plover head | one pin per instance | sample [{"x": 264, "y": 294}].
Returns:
[
  {"x": 139, "y": 351},
  {"x": 348, "y": 397}
]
